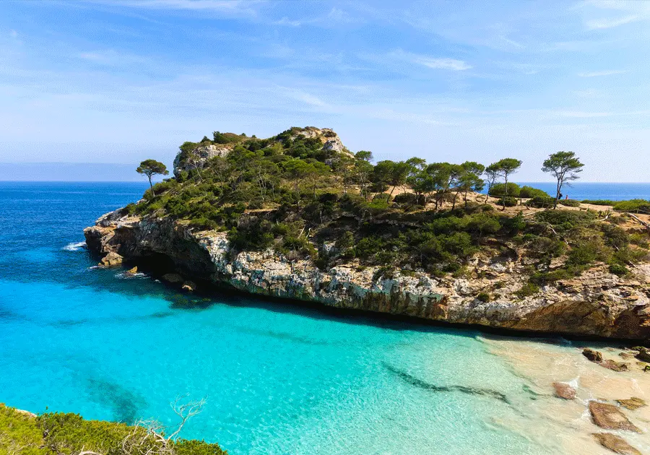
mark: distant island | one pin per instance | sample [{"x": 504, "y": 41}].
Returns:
[{"x": 299, "y": 216}]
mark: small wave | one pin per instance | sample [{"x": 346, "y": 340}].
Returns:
[
  {"x": 128, "y": 276},
  {"x": 94, "y": 267},
  {"x": 76, "y": 246}
]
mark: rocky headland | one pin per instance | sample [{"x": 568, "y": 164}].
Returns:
[{"x": 492, "y": 289}]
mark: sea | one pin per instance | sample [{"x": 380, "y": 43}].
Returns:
[{"x": 277, "y": 378}]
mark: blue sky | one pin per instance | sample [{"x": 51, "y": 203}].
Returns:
[{"x": 118, "y": 81}]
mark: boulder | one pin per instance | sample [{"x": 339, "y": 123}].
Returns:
[
  {"x": 632, "y": 403},
  {"x": 189, "y": 286},
  {"x": 592, "y": 355},
  {"x": 616, "y": 444},
  {"x": 132, "y": 271},
  {"x": 564, "y": 390},
  {"x": 610, "y": 417},
  {"x": 614, "y": 366},
  {"x": 173, "y": 278},
  {"x": 643, "y": 355},
  {"x": 112, "y": 259}
]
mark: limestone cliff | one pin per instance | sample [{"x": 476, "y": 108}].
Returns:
[{"x": 594, "y": 304}]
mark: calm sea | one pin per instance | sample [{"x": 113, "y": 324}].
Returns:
[
  {"x": 278, "y": 378},
  {"x": 584, "y": 190}
]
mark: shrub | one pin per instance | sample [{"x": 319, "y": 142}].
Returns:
[
  {"x": 585, "y": 253},
  {"x": 530, "y": 192},
  {"x": 527, "y": 290},
  {"x": 483, "y": 297},
  {"x": 569, "y": 202},
  {"x": 406, "y": 199},
  {"x": 499, "y": 189},
  {"x": 640, "y": 240},
  {"x": 634, "y": 205},
  {"x": 565, "y": 217},
  {"x": 618, "y": 269},
  {"x": 541, "y": 202},
  {"x": 509, "y": 201}
]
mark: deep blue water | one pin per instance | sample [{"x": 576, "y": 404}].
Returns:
[
  {"x": 587, "y": 190},
  {"x": 278, "y": 378}
]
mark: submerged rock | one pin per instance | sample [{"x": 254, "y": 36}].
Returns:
[
  {"x": 614, "y": 366},
  {"x": 610, "y": 417},
  {"x": 564, "y": 390},
  {"x": 632, "y": 403},
  {"x": 592, "y": 355},
  {"x": 132, "y": 271},
  {"x": 616, "y": 444}
]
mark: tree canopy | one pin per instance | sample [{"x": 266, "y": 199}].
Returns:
[
  {"x": 565, "y": 167},
  {"x": 150, "y": 168}
]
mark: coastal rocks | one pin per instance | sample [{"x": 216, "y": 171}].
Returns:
[
  {"x": 616, "y": 444},
  {"x": 173, "y": 278},
  {"x": 632, "y": 403},
  {"x": 131, "y": 272},
  {"x": 199, "y": 156},
  {"x": 613, "y": 365},
  {"x": 610, "y": 417},
  {"x": 564, "y": 390},
  {"x": 592, "y": 355},
  {"x": 643, "y": 355},
  {"x": 112, "y": 259},
  {"x": 594, "y": 307}
]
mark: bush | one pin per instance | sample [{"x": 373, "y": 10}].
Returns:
[
  {"x": 565, "y": 217},
  {"x": 406, "y": 199},
  {"x": 527, "y": 290},
  {"x": 530, "y": 192},
  {"x": 509, "y": 201},
  {"x": 640, "y": 240},
  {"x": 541, "y": 202},
  {"x": 499, "y": 189},
  {"x": 618, "y": 269},
  {"x": 634, "y": 205},
  {"x": 569, "y": 202},
  {"x": 59, "y": 433},
  {"x": 483, "y": 297}
]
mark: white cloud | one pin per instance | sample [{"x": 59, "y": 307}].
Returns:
[
  {"x": 225, "y": 6},
  {"x": 601, "y": 73},
  {"x": 433, "y": 62},
  {"x": 597, "y": 24}
]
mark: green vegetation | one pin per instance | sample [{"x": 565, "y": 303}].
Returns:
[
  {"x": 292, "y": 194},
  {"x": 151, "y": 168},
  {"x": 68, "y": 434},
  {"x": 565, "y": 167}
]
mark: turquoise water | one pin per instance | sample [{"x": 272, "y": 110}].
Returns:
[{"x": 278, "y": 378}]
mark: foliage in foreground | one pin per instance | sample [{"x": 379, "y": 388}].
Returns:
[{"x": 70, "y": 434}]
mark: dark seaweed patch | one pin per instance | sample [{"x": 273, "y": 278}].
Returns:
[
  {"x": 451, "y": 388},
  {"x": 124, "y": 403}
]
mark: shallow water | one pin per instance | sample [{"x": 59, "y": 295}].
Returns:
[{"x": 278, "y": 378}]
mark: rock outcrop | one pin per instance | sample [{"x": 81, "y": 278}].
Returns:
[
  {"x": 610, "y": 417},
  {"x": 616, "y": 444},
  {"x": 595, "y": 304}
]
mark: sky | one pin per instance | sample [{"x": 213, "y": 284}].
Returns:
[{"x": 119, "y": 81}]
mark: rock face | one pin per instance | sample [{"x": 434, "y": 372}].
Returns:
[
  {"x": 610, "y": 417},
  {"x": 616, "y": 444},
  {"x": 595, "y": 304}
]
